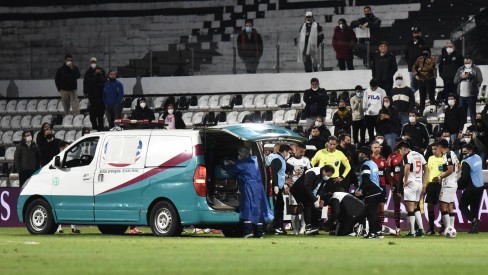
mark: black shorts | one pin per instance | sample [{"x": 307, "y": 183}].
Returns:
[
  {"x": 432, "y": 193},
  {"x": 383, "y": 198}
]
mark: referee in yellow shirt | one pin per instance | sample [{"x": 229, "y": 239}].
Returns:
[{"x": 433, "y": 190}]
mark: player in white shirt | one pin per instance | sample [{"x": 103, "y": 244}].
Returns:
[
  {"x": 300, "y": 164},
  {"x": 414, "y": 180},
  {"x": 448, "y": 181}
]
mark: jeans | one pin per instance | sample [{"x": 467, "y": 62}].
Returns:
[
  {"x": 390, "y": 140},
  {"x": 413, "y": 82},
  {"x": 469, "y": 103},
  {"x": 113, "y": 112},
  {"x": 426, "y": 87},
  {"x": 403, "y": 118}
]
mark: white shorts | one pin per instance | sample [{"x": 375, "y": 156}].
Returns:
[
  {"x": 448, "y": 192},
  {"x": 412, "y": 192}
]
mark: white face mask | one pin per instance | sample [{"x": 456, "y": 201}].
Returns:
[
  {"x": 318, "y": 124},
  {"x": 308, "y": 21},
  {"x": 380, "y": 140},
  {"x": 448, "y": 139},
  {"x": 93, "y": 65},
  {"x": 170, "y": 111},
  {"x": 386, "y": 105},
  {"x": 398, "y": 82},
  {"x": 341, "y": 26},
  {"x": 68, "y": 63},
  {"x": 325, "y": 178},
  {"x": 467, "y": 140},
  {"x": 468, "y": 66},
  {"x": 315, "y": 89},
  {"x": 143, "y": 105},
  {"x": 28, "y": 139},
  {"x": 412, "y": 119},
  {"x": 451, "y": 102},
  {"x": 449, "y": 50},
  {"x": 359, "y": 94}
]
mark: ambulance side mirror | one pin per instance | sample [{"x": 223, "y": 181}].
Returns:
[{"x": 57, "y": 161}]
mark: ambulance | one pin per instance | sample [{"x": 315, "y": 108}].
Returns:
[{"x": 164, "y": 179}]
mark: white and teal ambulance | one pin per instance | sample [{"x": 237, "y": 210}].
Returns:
[{"x": 165, "y": 179}]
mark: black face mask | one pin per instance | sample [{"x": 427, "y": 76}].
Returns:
[
  {"x": 112, "y": 79},
  {"x": 417, "y": 37},
  {"x": 49, "y": 136},
  {"x": 479, "y": 121},
  {"x": 426, "y": 54},
  {"x": 368, "y": 15},
  {"x": 342, "y": 109}
]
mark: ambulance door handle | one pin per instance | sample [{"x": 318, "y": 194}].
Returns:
[{"x": 100, "y": 177}]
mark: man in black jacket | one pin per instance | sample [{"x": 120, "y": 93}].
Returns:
[
  {"x": 449, "y": 63},
  {"x": 384, "y": 67},
  {"x": 315, "y": 140},
  {"x": 93, "y": 88},
  {"x": 250, "y": 47},
  {"x": 413, "y": 52},
  {"x": 66, "y": 83},
  {"x": 316, "y": 100},
  {"x": 417, "y": 132},
  {"x": 346, "y": 210},
  {"x": 26, "y": 158},
  {"x": 369, "y": 23},
  {"x": 454, "y": 118}
]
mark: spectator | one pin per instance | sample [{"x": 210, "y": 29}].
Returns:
[
  {"x": 343, "y": 42},
  {"x": 469, "y": 79},
  {"x": 250, "y": 47},
  {"x": 66, "y": 83},
  {"x": 26, "y": 158},
  {"x": 388, "y": 123},
  {"x": 357, "y": 112},
  {"x": 454, "y": 118},
  {"x": 384, "y": 67},
  {"x": 417, "y": 132},
  {"x": 320, "y": 124},
  {"x": 479, "y": 131},
  {"x": 40, "y": 139},
  {"x": 93, "y": 83},
  {"x": 342, "y": 119},
  {"x": 425, "y": 73},
  {"x": 142, "y": 112},
  {"x": 316, "y": 100},
  {"x": 403, "y": 98},
  {"x": 311, "y": 37},
  {"x": 172, "y": 119},
  {"x": 315, "y": 140},
  {"x": 50, "y": 148},
  {"x": 369, "y": 27},
  {"x": 113, "y": 96},
  {"x": 412, "y": 53},
  {"x": 449, "y": 63},
  {"x": 372, "y": 102}
]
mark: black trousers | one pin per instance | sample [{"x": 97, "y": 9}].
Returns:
[
  {"x": 426, "y": 87},
  {"x": 279, "y": 205},
  {"x": 359, "y": 131},
  {"x": 251, "y": 64},
  {"x": 309, "y": 66},
  {"x": 343, "y": 62},
  {"x": 471, "y": 198},
  {"x": 372, "y": 213},
  {"x": 370, "y": 122},
  {"x": 304, "y": 196},
  {"x": 24, "y": 175},
  {"x": 97, "y": 110}
]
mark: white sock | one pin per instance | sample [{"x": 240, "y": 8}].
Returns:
[
  {"x": 60, "y": 228},
  {"x": 418, "y": 218},
  {"x": 451, "y": 220},
  {"x": 73, "y": 226},
  {"x": 411, "y": 221},
  {"x": 447, "y": 220}
]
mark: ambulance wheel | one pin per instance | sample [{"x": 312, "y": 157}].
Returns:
[
  {"x": 232, "y": 231},
  {"x": 112, "y": 229},
  {"x": 164, "y": 220},
  {"x": 40, "y": 218}
]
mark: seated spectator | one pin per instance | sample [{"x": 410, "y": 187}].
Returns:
[
  {"x": 342, "y": 119},
  {"x": 173, "y": 119},
  {"x": 320, "y": 124},
  {"x": 142, "y": 112},
  {"x": 315, "y": 140}
]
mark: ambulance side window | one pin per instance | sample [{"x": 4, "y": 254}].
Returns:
[{"x": 81, "y": 154}]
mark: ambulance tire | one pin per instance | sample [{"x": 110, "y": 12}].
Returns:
[
  {"x": 39, "y": 218},
  {"x": 112, "y": 229},
  {"x": 164, "y": 220},
  {"x": 232, "y": 231}
]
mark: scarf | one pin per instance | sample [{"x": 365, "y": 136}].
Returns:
[{"x": 312, "y": 48}]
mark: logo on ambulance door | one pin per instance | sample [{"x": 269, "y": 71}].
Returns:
[{"x": 122, "y": 157}]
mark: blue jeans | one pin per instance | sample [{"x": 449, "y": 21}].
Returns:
[
  {"x": 469, "y": 105},
  {"x": 403, "y": 118},
  {"x": 413, "y": 82},
  {"x": 390, "y": 140}
]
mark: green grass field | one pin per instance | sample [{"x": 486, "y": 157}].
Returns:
[{"x": 94, "y": 253}]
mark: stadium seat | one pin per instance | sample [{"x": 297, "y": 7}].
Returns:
[
  {"x": 203, "y": 102},
  {"x": 60, "y": 109},
  {"x": 66, "y": 124},
  {"x": 42, "y": 107},
  {"x": 31, "y": 106},
  {"x": 270, "y": 101},
  {"x": 283, "y": 101},
  {"x": 296, "y": 102},
  {"x": 5, "y": 122},
  {"x": 26, "y": 122},
  {"x": 17, "y": 137},
  {"x": 9, "y": 153},
  {"x": 70, "y": 136},
  {"x": 225, "y": 102},
  {"x": 247, "y": 103},
  {"x": 21, "y": 106},
  {"x": 36, "y": 122},
  {"x": 86, "y": 122},
  {"x": 236, "y": 101},
  {"x": 278, "y": 117},
  {"x": 221, "y": 118},
  {"x": 47, "y": 119},
  {"x": 267, "y": 117},
  {"x": 3, "y": 106},
  {"x": 78, "y": 121},
  {"x": 241, "y": 116},
  {"x": 213, "y": 102},
  {"x": 52, "y": 106},
  {"x": 182, "y": 103},
  {"x": 290, "y": 117},
  {"x": 15, "y": 122},
  {"x": 158, "y": 104},
  {"x": 232, "y": 118},
  {"x": 260, "y": 101},
  {"x": 302, "y": 120},
  {"x": 197, "y": 118},
  {"x": 78, "y": 135},
  {"x": 186, "y": 118},
  {"x": 34, "y": 138},
  {"x": 11, "y": 106},
  {"x": 84, "y": 105},
  {"x": 60, "y": 134},
  {"x": 193, "y": 104},
  {"x": 7, "y": 137},
  {"x": 1, "y": 134}
]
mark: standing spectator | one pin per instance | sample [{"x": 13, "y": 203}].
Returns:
[
  {"x": 41, "y": 139},
  {"x": 142, "y": 112},
  {"x": 278, "y": 168},
  {"x": 425, "y": 73},
  {"x": 316, "y": 100},
  {"x": 311, "y": 37},
  {"x": 469, "y": 79},
  {"x": 315, "y": 140},
  {"x": 417, "y": 132},
  {"x": 93, "y": 83},
  {"x": 250, "y": 47},
  {"x": 50, "y": 148},
  {"x": 357, "y": 112},
  {"x": 384, "y": 67},
  {"x": 372, "y": 102},
  {"x": 66, "y": 83},
  {"x": 349, "y": 151},
  {"x": 403, "y": 98},
  {"x": 454, "y": 118},
  {"x": 471, "y": 181},
  {"x": 113, "y": 95},
  {"x": 342, "y": 119},
  {"x": 412, "y": 53},
  {"x": 172, "y": 119},
  {"x": 26, "y": 158},
  {"x": 388, "y": 123},
  {"x": 343, "y": 41},
  {"x": 370, "y": 32},
  {"x": 449, "y": 63}
]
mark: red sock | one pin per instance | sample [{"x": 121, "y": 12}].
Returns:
[{"x": 396, "y": 205}]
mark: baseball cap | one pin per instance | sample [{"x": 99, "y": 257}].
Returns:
[
  {"x": 308, "y": 13},
  {"x": 93, "y": 59}
]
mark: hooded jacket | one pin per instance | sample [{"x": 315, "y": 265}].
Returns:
[
  {"x": 66, "y": 78},
  {"x": 449, "y": 64},
  {"x": 140, "y": 113},
  {"x": 343, "y": 42},
  {"x": 402, "y": 96}
]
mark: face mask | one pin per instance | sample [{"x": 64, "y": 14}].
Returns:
[
  {"x": 448, "y": 139},
  {"x": 318, "y": 124},
  {"x": 451, "y": 102},
  {"x": 248, "y": 29},
  {"x": 325, "y": 178},
  {"x": 68, "y": 63},
  {"x": 341, "y": 26},
  {"x": 170, "y": 111},
  {"x": 342, "y": 109},
  {"x": 479, "y": 121},
  {"x": 368, "y": 15},
  {"x": 468, "y": 66},
  {"x": 28, "y": 139},
  {"x": 93, "y": 65},
  {"x": 380, "y": 140},
  {"x": 467, "y": 140},
  {"x": 399, "y": 82},
  {"x": 359, "y": 94},
  {"x": 404, "y": 137},
  {"x": 143, "y": 105},
  {"x": 387, "y": 105},
  {"x": 308, "y": 21},
  {"x": 315, "y": 89},
  {"x": 49, "y": 136},
  {"x": 449, "y": 50},
  {"x": 465, "y": 156},
  {"x": 412, "y": 119},
  {"x": 426, "y": 54},
  {"x": 417, "y": 37}
]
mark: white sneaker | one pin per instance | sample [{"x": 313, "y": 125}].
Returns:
[
  {"x": 317, "y": 202},
  {"x": 302, "y": 230}
]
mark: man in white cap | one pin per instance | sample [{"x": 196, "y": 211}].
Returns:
[
  {"x": 93, "y": 83},
  {"x": 310, "y": 37}
]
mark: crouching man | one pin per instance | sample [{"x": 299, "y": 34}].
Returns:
[{"x": 347, "y": 210}]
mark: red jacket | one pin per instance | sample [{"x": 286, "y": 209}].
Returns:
[{"x": 343, "y": 41}]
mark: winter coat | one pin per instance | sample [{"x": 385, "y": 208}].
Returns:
[
  {"x": 179, "y": 123},
  {"x": 476, "y": 79},
  {"x": 142, "y": 114},
  {"x": 113, "y": 93},
  {"x": 454, "y": 119},
  {"x": 390, "y": 125},
  {"x": 449, "y": 64},
  {"x": 93, "y": 87},
  {"x": 316, "y": 102},
  {"x": 425, "y": 68},
  {"x": 66, "y": 78},
  {"x": 249, "y": 46},
  {"x": 414, "y": 51},
  {"x": 374, "y": 24},
  {"x": 27, "y": 158},
  {"x": 343, "y": 42},
  {"x": 383, "y": 69},
  {"x": 48, "y": 150},
  {"x": 342, "y": 124}
]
